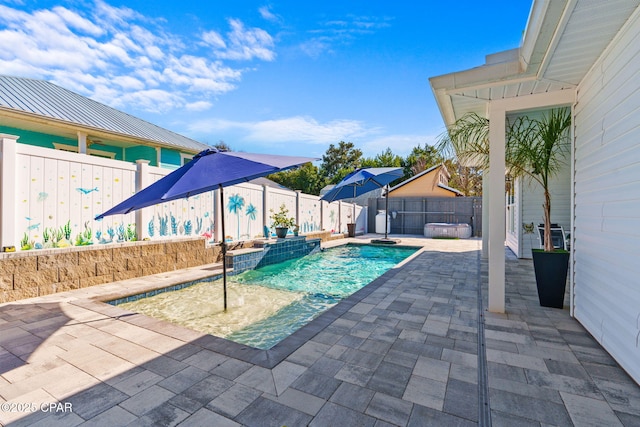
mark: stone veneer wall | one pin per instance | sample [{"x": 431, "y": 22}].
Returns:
[
  {"x": 41, "y": 272},
  {"x": 35, "y": 273}
]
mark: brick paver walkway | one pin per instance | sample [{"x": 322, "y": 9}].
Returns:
[{"x": 403, "y": 351}]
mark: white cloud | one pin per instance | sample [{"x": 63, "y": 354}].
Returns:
[
  {"x": 265, "y": 13},
  {"x": 292, "y": 129},
  {"x": 198, "y": 106},
  {"x": 309, "y": 132},
  {"x": 155, "y": 100},
  {"x": 247, "y": 44},
  {"x": 213, "y": 39},
  {"x": 114, "y": 15},
  {"x": 400, "y": 144},
  {"x": 330, "y": 34},
  {"x": 78, "y": 22},
  {"x": 305, "y": 129},
  {"x": 136, "y": 61},
  {"x": 129, "y": 83}
]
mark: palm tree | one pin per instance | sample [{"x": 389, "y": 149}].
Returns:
[
  {"x": 535, "y": 149},
  {"x": 540, "y": 149}
]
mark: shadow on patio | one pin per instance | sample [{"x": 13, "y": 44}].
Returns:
[{"x": 404, "y": 351}]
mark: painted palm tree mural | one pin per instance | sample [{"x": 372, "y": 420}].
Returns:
[
  {"x": 235, "y": 205},
  {"x": 251, "y": 215},
  {"x": 332, "y": 218}
]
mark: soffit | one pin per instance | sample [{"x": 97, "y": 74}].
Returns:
[
  {"x": 591, "y": 27},
  {"x": 568, "y": 41}
]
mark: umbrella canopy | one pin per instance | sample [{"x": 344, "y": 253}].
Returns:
[
  {"x": 209, "y": 170},
  {"x": 362, "y": 181}
]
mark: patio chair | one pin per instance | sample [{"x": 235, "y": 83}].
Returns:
[{"x": 558, "y": 237}]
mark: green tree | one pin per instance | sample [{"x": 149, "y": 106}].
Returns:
[
  {"x": 466, "y": 179},
  {"x": 386, "y": 159},
  {"x": 221, "y": 145},
  {"x": 306, "y": 178},
  {"x": 421, "y": 159},
  {"x": 338, "y": 161},
  {"x": 535, "y": 149}
]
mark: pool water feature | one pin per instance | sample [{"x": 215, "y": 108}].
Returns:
[{"x": 269, "y": 303}]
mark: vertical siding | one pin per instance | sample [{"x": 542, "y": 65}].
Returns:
[{"x": 607, "y": 199}]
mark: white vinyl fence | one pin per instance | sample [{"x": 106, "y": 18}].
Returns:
[{"x": 49, "y": 198}]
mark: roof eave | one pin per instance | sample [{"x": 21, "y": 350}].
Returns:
[
  {"x": 95, "y": 131},
  {"x": 522, "y": 63},
  {"x": 444, "y": 86}
]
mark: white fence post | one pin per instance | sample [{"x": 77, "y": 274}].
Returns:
[
  {"x": 217, "y": 217},
  {"x": 82, "y": 142},
  {"x": 265, "y": 210},
  {"x": 8, "y": 190},
  {"x": 298, "y": 207},
  {"x": 143, "y": 180}
]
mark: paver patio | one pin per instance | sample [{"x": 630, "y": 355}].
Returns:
[{"x": 402, "y": 351}]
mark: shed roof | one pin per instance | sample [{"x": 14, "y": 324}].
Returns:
[
  {"x": 27, "y": 101},
  {"x": 425, "y": 172},
  {"x": 416, "y": 176}
]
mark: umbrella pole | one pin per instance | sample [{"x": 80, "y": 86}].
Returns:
[
  {"x": 354, "y": 211},
  {"x": 223, "y": 246},
  {"x": 386, "y": 212}
]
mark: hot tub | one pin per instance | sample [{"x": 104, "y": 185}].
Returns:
[{"x": 443, "y": 229}]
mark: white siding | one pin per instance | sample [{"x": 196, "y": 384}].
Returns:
[{"x": 607, "y": 199}]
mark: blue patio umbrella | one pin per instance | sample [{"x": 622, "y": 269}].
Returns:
[
  {"x": 362, "y": 181},
  {"x": 209, "y": 170}
]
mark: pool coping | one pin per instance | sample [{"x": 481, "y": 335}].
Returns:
[{"x": 264, "y": 358}]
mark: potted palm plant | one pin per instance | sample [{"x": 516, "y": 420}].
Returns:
[
  {"x": 535, "y": 149},
  {"x": 281, "y": 221}
]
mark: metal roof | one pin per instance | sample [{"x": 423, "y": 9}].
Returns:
[
  {"x": 563, "y": 39},
  {"x": 26, "y": 102}
]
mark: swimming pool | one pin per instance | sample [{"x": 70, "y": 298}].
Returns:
[{"x": 269, "y": 303}]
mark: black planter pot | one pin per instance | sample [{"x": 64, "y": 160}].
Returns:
[
  {"x": 351, "y": 230},
  {"x": 281, "y": 232},
  {"x": 551, "y": 276}
]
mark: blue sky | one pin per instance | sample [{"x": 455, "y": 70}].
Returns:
[{"x": 282, "y": 77}]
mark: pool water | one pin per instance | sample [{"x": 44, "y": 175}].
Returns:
[{"x": 268, "y": 304}]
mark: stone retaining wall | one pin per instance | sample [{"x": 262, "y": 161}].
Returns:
[{"x": 35, "y": 273}]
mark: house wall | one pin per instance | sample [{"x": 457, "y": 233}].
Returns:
[
  {"x": 425, "y": 186},
  {"x": 607, "y": 199},
  {"x": 169, "y": 158},
  {"x": 141, "y": 152},
  {"x": 37, "y": 138}
]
